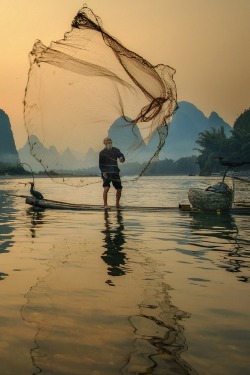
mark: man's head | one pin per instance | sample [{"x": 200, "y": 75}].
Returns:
[{"x": 107, "y": 142}]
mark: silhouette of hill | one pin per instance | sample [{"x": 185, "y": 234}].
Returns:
[
  {"x": 8, "y": 153},
  {"x": 129, "y": 140},
  {"x": 184, "y": 130},
  {"x": 67, "y": 160}
]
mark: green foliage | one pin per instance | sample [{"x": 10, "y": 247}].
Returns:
[
  {"x": 6, "y": 169},
  {"x": 212, "y": 143},
  {"x": 241, "y": 136},
  {"x": 215, "y": 143},
  {"x": 183, "y": 166},
  {"x": 242, "y": 123}
]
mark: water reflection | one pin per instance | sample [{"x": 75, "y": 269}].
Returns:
[
  {"x": 3, "y": 275},
  {"x": 6, "y": 230},
  {"x": 114, "y": 239},
  {"x": 36, "y": 218},
  {"x": 6, "y": 217},
  {"x": 220, "y": 233},
  {"x": 160, "y": 337}
]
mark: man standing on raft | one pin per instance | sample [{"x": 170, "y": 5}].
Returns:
[{"x": 110, "y": 171}]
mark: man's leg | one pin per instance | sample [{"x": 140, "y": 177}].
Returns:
[
  {"x": 118, "y": 197},
  {"x": 105, "y": 196}
]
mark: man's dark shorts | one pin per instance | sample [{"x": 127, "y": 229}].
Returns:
[{"x": 114, "y": 178}]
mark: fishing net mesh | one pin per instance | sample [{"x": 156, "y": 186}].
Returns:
[{"x": 88, "y": 86}]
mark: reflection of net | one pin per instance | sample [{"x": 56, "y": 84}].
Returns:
[
  {"x": 160, "y": 340},
  {"x": 81, "y": 85}
]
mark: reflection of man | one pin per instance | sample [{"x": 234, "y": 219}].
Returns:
[
  {"x": 110, "y": 171},
  {"x": 114, "y": 241}
]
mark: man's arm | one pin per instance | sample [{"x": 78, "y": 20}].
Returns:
[
  {"x": 101, "y": 162},
  {"x": 120, "y": 156}
]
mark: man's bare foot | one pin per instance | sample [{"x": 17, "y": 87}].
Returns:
[
  {"x": 107, "y": 208},
  {"x": 119, "y": 207}
]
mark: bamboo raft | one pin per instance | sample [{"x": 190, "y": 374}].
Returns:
[{"x": 52, "y": 204}]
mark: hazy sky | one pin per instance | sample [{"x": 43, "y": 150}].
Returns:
[{"x": 206, "y": 41}]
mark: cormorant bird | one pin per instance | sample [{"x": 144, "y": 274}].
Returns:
[
  {"x": 230, "y": 164},
  {"x": 35, "y": 193}
]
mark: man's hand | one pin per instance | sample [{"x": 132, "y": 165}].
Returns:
[
  {"x": 105, "y": 175},
  {"x": 121, "y": 159}
]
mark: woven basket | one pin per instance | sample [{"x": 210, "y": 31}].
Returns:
[{"x": 211, "y": 199}]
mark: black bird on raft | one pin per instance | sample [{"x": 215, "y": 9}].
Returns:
[
  {"x": 230, "y": 164},
  {"x": 35, "y": 193}
]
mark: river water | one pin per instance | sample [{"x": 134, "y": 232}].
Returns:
[{"x": 123, "y": 292}]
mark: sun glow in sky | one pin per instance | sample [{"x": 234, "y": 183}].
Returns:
[{"x": 207, "y": 42}]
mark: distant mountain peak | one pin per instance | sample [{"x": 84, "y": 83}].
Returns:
[
  {"x": 215, "y": 117},
  {"x": 190, "y": 109},
  {"x": 131, "y": 136}
]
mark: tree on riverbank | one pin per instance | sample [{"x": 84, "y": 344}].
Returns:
[
  {"x": 7, "y": 169},
  {"x": 215, "y": 143},
  {"x": 241, "y": 136},
  {"x": 166, "y": 167}
]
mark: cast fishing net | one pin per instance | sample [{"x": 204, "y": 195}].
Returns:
[{"x": 88, "y": 86}]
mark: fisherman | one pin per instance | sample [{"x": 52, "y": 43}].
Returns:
[{"x": 108, "y": 165}]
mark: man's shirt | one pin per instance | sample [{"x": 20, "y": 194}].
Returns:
[{"x": 108, "y": 160}]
